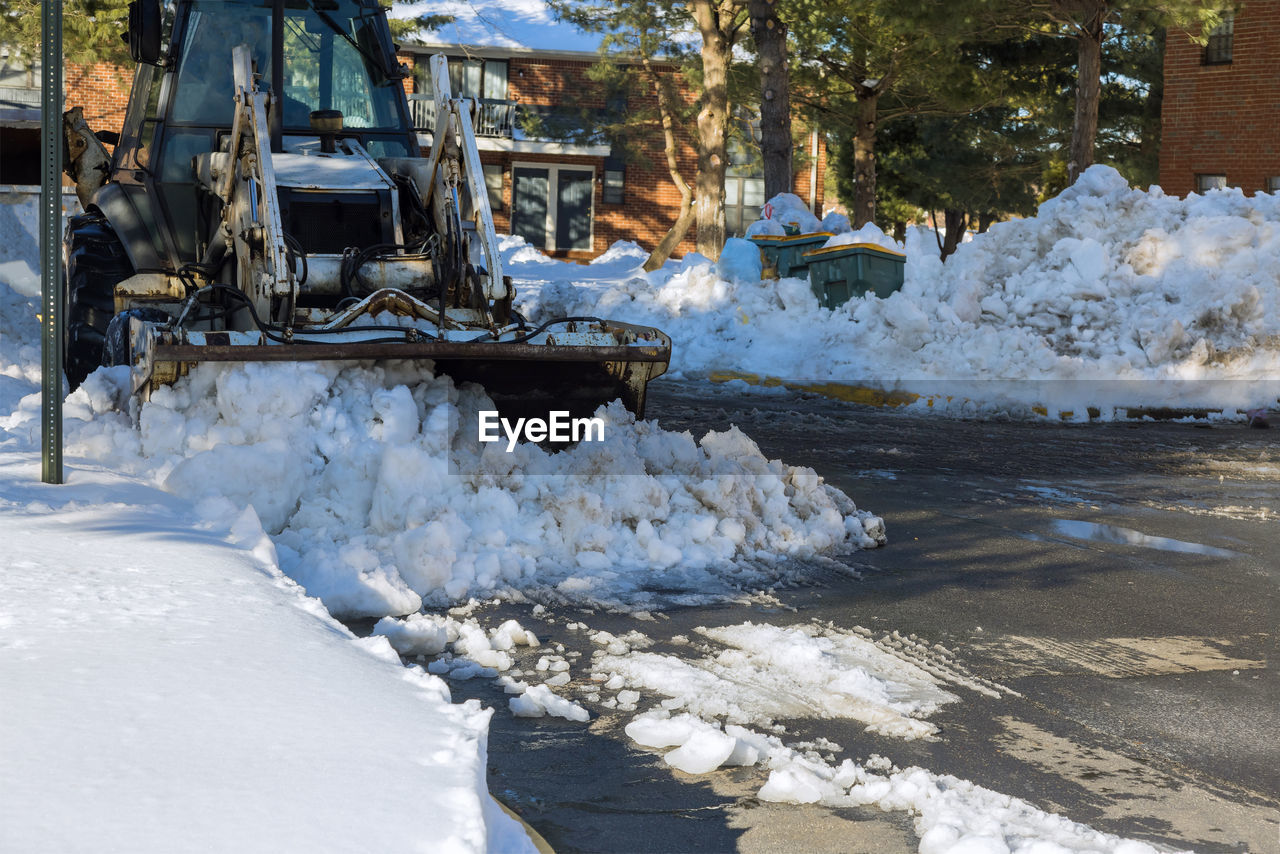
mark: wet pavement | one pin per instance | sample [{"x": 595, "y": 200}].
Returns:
[{"x": 1119, "y": 580}]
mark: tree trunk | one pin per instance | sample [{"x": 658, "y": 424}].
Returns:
[
  {"x": 666, "y": 109},
  {"x": 672, "y": 238},
  {"x": 1084, "y": 130},
  {"x": 713, "y": 121},
  {"x": 864, "y": 159},
  {"x": 770, "y": 36},
  {"x": 955, "y": 223}
]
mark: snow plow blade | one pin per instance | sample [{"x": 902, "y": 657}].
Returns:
[{"x": 571, "y": 365}]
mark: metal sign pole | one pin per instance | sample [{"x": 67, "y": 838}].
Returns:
[{"x": 51, "y": 240}]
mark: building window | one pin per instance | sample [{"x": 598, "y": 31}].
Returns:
[
  {"x": 493, "y": 183},
  {"x": 1205, "y": 183},
  {"x": 473, "y": 78},
  {"x": 744, "y": 181},
  {"x": 1218, "y": 50},
  {"x": 468, "y": 78},
  {"x": 1273, "y": 184},
  {"x": 744, "y": 197},
  {"x": 615, "y": 179},
  {"x": 551, "y": 205}
]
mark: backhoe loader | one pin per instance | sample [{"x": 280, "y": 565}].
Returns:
[{"x": 268, "y": 198}]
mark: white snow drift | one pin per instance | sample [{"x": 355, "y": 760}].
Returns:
[
  {"x": 378, "y": 504},
  {"x": 1109, "y": 296}
]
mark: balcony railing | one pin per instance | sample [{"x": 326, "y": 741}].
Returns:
[
  {"x": 20, "y": 95},
  {"x": 494, "y": 119}
]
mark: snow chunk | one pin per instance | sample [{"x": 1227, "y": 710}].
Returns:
[
  {"x": 418, "y": 634},
  {"x": 539, "y": 700},
  {"x": 705, "y": 750},
  {"x": 739, "y": 261}
]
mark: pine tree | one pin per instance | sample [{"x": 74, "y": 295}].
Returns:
[
  {"x": 1089, "y": 24},
  {"x": 92, "y": 30},
  {"x": 862, "y": 65}
]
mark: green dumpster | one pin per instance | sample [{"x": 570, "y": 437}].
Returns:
[
  {"x": 839, "y": 273},
  {"x": 783, "y": 256}
]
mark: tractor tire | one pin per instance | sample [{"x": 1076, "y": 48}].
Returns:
[
  {"x": 117, "y": 348},
  {"x": 96, "y": 263}
]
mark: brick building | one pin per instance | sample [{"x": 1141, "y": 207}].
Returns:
[
  {"x": 1221, "y": 100},
  {"x": 575, "y": 198},
  {"x": 569, "y": 197}
]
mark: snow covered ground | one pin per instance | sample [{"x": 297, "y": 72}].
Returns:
[
  {"x": 175, "y": 649},
  {"x": 167, "y": 688},
  {"x": 1109, "y": 297}
]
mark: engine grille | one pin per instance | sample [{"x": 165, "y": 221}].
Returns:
[{"x": 330, "y": 222}]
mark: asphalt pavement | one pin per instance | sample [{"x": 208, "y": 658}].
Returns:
[{"x": 1118, "y": 581}]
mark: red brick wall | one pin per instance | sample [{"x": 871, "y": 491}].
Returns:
[
  {"x": 1222, "y": 119},
  {"x": 103, "y": 91}
]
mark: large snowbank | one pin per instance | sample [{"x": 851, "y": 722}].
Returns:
[
  {"x": 379, "y": 499},
  {"x": 1109, "y": 296}
]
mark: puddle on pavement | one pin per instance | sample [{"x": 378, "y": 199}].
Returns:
[{"x": 1129, "y": 537}]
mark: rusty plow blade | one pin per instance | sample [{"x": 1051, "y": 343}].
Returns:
[{"x": 570, "y": 364}]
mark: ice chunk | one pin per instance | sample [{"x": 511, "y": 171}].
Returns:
[
  {"x": 706, "y": 749},
  {"x": 655, "y": 729}
]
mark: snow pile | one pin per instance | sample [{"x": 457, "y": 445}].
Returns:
[
  {"x": 164, "y": 682},
  {"x": 1108, "y": 297},
  {"x": 868, "y": 234},
  {"x": 789, "y": 210},
  {"x": 379, "y": 499},
  {"x": 952, "y": 815},
  {"x": 740, "y": 261},
  {"x": 836, "y": 223},
  {"x": 430, "y": 634},
  {"x": 765, "y": 228},
  {"x": 472, "y": 652}
]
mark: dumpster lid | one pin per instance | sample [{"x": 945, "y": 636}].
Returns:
[
  {"x": 776, "y": 240},
  {"x": 852, "y": 247}
]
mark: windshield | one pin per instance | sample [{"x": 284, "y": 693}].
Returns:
[{"x": 334, "y": 59}]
